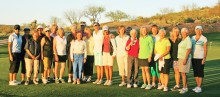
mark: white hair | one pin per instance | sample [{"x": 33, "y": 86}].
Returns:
[
  {"x": 186, "y": 29},
  {"x": 162, "y": 30}
]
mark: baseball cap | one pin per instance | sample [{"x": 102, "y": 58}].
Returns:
[
  {"x": 105, "y": 28},
  {"x": 27, "y": 29},
  {"x": 39, "y": 27},
  {"x": 17, "y": 27},
  {"x": 199, "y": 27},
  {"x": 96, "y": 24},
  {"x": 47, "y": 29}
]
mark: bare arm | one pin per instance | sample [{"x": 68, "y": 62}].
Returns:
[
  {"x": 54, "y": 49},
  {"x": 9, "y": 51},
  {"x": 42, "y": 45},
  {"x": 205, "y": 53},
  {"x": 29, "y": 53}
]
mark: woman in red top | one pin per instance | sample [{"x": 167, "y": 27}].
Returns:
[{"x": 132, "y": 47}]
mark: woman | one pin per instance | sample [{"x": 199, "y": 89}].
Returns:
[
  {"x": 70, "y": 37},
  {"x": 108, "y": 52},
  {"x": 199, "y": 53},
  {"x": 32, "y": 57},
  {"x": 14, "y": 50},
  {"x": 78, "y": 52},
  {"x": 121, "y": 54},
  {"x": 153, "y": 64},
  {"x": 59, "y": 48},
  {"x": 162, "y": 54},
  {"x": 25, "y": 38},
  {"x": 145, "y": 53},
  {"x": 88, "y": 66},
  {"x": 184, "y": 57},
  {"x": 98, "y": 41},
  {"x": 132, "y": 47},
  {"x": 46, "y": 53},
  {"x": 175, "y": 39},
  {"x": 53, "y": 34}
]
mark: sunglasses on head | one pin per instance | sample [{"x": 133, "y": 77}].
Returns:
[{"x": 47, "y": 31}]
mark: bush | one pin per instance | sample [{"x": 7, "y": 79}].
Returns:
[{"x": 189, "y": 20}]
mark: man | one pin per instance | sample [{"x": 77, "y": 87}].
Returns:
[
  {"x": 14, "y": 50},
  {"x": 32, "y": 57},
  {"x": 25, "y": 38},
  {"x": 82, "y": 27},
  {"x": 70, "y": 37}
]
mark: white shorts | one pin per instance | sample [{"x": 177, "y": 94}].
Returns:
[
  {"x": 122, "y": 65},
  {"x": 107, "y": 59}
]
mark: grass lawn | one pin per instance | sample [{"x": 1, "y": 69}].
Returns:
[{"x": 211, "y": 84}]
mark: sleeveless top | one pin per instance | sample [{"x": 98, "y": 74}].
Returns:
[
  {"x": 48, "y": 47},
  {"x": 61, "y": 44}
]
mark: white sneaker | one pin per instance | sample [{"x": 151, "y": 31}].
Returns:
[
  {"x": 183, "y": 91},
  {"x": 153, "y": 85},
  {"x": 165, "y": 89},
  {"x": 198, "y": 90},
  {"x": 175, "y": 88},
  {"x": 84, "y": 79},
  {"x": 12, "y": 83},
  {"x": 159, "y": 84},
  {"x": 160, "y": 87},
  {"x": 122, "y": 84},
  {"x": 88, "y": 80},
  {"x": 135, "y": 85},
  {"x": 37, "y": 79},
  {"x": 148, "y": 87},
  {"x": 128, "y": 85},
  {"x": 195, "y": 89},
  {"x": 69, "y": 80},
  {"x": 106, "y": 82},
  {"x": 96, "y": 81},
  {"x": 100, "y": 82},
  {"x": 44, "y": 81},
  {"x": 109, "y": 83},
  {"x": 17, "y": 82}
]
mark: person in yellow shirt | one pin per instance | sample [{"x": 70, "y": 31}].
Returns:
[{"x": 162, "y": 51}]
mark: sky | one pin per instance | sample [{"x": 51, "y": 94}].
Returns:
[{"x": 25, "y": 11}]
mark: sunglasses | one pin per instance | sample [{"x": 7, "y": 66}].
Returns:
[
  {"x": 47, "y": 31},
  {"x": 17, "y": 29}
]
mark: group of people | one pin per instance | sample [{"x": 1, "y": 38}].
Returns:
[{"x": 153, "y": 53}]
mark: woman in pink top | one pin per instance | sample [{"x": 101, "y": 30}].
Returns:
[{"x": 132, "y": 47}]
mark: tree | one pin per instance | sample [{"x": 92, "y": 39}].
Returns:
[
  {"x": 164, "y": 12},
  {"x": 116, "y": 16},
  {"x": 73, "y": 16},
  {"x": 54, "y": 20},
  {"x": 33, "y": 25},
  {"x": 93, "y": 13}
]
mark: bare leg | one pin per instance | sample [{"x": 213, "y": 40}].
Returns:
[
  {"x": 177, "y": 76},
  {"x": 200, "y": 81},
  {"x": 22, "y": 76},
  {"x": 184, "y": 80},
  {"x": 162, "y": 78},
  {"x": 98, "y": 73},
  {"x": 56, "y": 69},
  {"x": 147, "y": 74},
  {"x": 10, "y": 76},
  {"x": 14, "y": 76},
  {"x": 102, "y": 72},
  {"x": 166, "y": 79},
  {"x": 110, "y": 72},
  {"x": 106, "y": 72},
  {"x": 144, "y": 75},
  {"x": 62, "y": 69}
]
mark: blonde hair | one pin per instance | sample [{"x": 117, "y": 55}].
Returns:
[
  {"x": 54, "y": 26},
  {"x": 142, "y": 29},
  {"x": 171, "y": 34},
  {"x": 59, "y": 30},
  {"x": 186, "y": 29}
]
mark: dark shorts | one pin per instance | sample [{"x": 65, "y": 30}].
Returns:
[
  {"x": 143, "y": 62},
  {"x": 14, "y": 65},
  {"x": 88, "y": 66},
  {"x": 166, "y": 68},
  {"x": 62, "y": 58},
  {"x": 198, "y": 67}
]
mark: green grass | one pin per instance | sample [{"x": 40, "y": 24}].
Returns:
[{"x": 211, "y": 82}]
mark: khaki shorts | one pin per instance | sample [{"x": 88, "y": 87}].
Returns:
[
  {"x": 107, "y": 59},
  {"x": 184, "y": 68},
  {"x": 122, "y": 65},
  {"x": 47, "y": 63}
]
